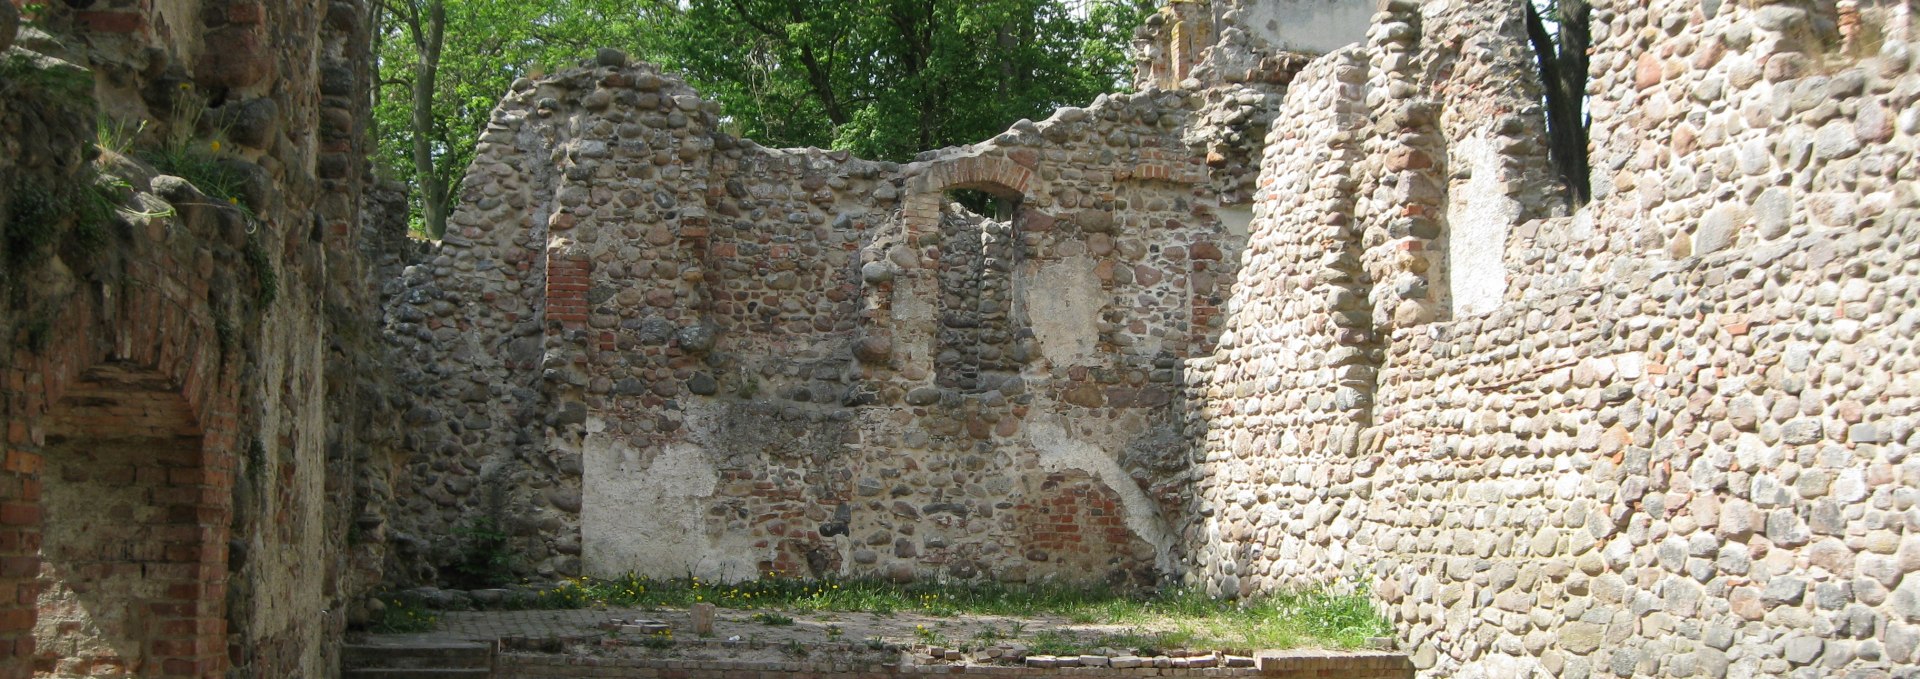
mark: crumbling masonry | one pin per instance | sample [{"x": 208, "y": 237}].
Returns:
[
  {"x": 1277, "y": 319},
  {"x": 1310, "y": 307}
]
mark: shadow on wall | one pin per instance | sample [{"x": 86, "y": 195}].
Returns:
[{"x": 132, "y": 554}]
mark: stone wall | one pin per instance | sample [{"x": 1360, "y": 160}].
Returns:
[
  {"x": 1667, "y": 435},
  {"x": 650, "y": 347},
  {"x": 173, "y": 501},
  {"x": 1663, "y": 434}
]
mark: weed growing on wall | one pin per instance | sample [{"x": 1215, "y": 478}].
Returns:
[{"x": 484, "y": 559}]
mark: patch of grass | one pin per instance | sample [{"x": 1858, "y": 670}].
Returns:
[
  {"x": 117, "y": 136},
  {"x": 773, "y": 619},
  {"x": 1307, "y": 617},
  {"x": 403, "y": 617},
  {"x": 38, "y": 332},
  {"x": 201, "y": 164},
  {"x": 929, "y": 636},
  {"x": 64, "y": 82}
]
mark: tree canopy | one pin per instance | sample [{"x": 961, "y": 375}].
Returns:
[{"x": 881, "y": 78}]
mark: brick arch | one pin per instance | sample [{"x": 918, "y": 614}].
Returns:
[
  {"x": 991, "y": 174},
  {"x": 129, "y": 392},
  {"x": 910, "y": 343}
]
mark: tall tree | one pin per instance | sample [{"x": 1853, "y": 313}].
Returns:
[
  {"x": 425, "y": 22},
  {"x": 882, "y": 78},
  {"x": 444, "y": 64},
  {"x": 1562, "y": 56},
  {"x": 889, "y": 78}
]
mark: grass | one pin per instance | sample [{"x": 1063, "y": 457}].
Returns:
[
  {"x": 201, "y": 165},
  {"x": 1182, "y": 618},
  {"x": 772, "y": 619},
  {"x": 403, "y": 617}
]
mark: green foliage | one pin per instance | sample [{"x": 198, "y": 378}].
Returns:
[
  {"x": 771, "y": 619},
  {"x": 268, "y": 278},
  {"x": 929, "y": 636},
  {"x": 60, "y": 82},
  {"x": 401, "y": 616},
  {"x": 882, "y": 78},
  {"x": 889, "y": 78},
  {"x": 487, "y": 44},
  {"x": 117, "y": 136},
  {"x": 1283, "y": 620},
  {"x": 41, "y": 214},
  {"x": 37, "y": 333},
  {"x": 201, "y": 164},
  {"x": 484, "y": 559}
]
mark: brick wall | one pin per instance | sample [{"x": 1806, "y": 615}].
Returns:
[{"x": 165, "y": 495}]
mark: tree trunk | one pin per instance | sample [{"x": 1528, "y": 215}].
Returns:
[
  {"x": 433, "y": 189},
  {"x": 1563, "y": 73}
]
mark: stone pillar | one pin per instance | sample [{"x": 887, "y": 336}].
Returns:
[{"x": 702, "y": 619}]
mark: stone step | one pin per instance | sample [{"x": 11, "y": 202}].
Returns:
[
  {"x": 440, "y": 656},
  {"x": 416, "y": 673}
]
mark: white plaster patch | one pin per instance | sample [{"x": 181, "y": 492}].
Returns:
[
  {"x": 1318, "y": 26},
  {"x": 1064, "y": 449},
  {"x": 650, "y": 518},
  {"x": 1063, "y": 301},
  {"x": 1238, "y": 221},
  {"x": 1479, "y": 215},
  {"x": 914, "y": 317}
]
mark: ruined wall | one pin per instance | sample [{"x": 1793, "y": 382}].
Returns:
[
  {"x": 167, "y": 348},
  {"x": 1667, "y": 435},
  {"x": 681, "y": 352}
]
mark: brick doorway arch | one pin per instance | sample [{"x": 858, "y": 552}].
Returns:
[
  {"x": 116, "y": 489},
  {"x": 132, "y": 556}
]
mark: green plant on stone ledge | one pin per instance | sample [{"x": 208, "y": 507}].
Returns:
[
  {"x": 40, "y": 214},
  {"x": 201, "y": 165},
  {"x": 269, "y": 279},
  {"x": 182, "y": 153},
  {"x": 37, "y": 334},
  {"x": 403, "y": 617},
  {"x": 483, "y": 559},
  {"x": 117, "y": 136},
  {"x": 22, "y": 72}
]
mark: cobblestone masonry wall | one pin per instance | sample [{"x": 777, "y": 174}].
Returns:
[
  {"x": 647, "y": 346},
  {"x": 1669, "y": 435},
  {"x": 1666, "y": 434}
]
